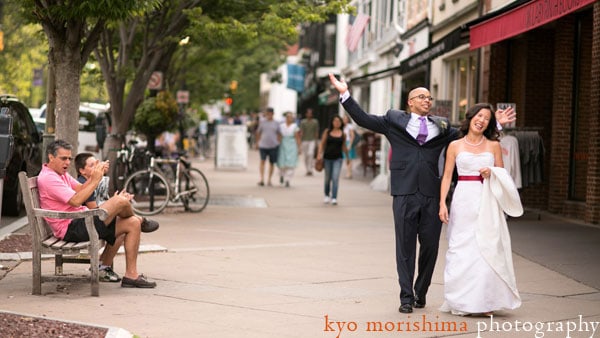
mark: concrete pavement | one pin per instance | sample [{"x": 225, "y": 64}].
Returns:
[{"x": 277, "y": 262}]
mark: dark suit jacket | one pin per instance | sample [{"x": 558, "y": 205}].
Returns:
[{"x": 413, "y": 167}]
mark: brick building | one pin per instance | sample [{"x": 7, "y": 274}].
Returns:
[{"x": 552, "y": 72}]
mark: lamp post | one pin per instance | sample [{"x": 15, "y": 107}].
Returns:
[{"x": 183, "y": 94}]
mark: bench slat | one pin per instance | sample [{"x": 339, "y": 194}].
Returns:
[{"x": 50, "y": 241}]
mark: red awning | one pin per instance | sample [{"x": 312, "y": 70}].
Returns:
[{"x": 521, "y": 19}]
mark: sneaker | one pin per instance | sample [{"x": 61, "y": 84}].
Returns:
[
  {"x": 261, "y": 184},
  {"x": 326, "y": 200},
  {"x": 149, "y": 225},
  {"x": 108, "y": 275},
  {"x": 140, "y": 282},
  {"x": 333, "y": 201}
]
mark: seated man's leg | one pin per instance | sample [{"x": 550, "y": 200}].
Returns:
[
  {"x": 106, "y": 261},
  {"x": 110, "y": 251},
  {"x": 77, "y": 232},
  {"x": 117, "y": 206},
  {"x": 121, "y": 207},
  {"x": 127, "y": 224},
  {"x": 131, "y": 228}
]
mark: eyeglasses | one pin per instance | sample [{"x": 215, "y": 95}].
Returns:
[
  {"x": 65, "y": 158},
  {"x": 422, "y": 97}
]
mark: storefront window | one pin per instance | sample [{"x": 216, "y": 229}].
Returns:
[{"x": 461, "y": 84}]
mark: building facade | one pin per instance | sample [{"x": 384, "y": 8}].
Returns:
[
  {"x": 542, "y": 57},
  {"x": 551, "y": 71}
]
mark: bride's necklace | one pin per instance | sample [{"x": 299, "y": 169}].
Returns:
[{"x": 473, "y": 144}]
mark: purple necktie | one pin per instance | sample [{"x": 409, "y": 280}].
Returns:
[{"x": 422, "y": 130}]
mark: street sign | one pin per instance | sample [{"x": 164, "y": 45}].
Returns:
[
  {"x": 183, "y": 96},
  {"x": 155, "y": 82},
  {"x": 38, "y": 77}
]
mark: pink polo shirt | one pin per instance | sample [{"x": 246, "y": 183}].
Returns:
[{"x": 55, "y": 192}]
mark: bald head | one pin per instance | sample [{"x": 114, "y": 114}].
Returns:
[
  {"x": 420, "y": 101},
  {"x": 417, "y": 91}
]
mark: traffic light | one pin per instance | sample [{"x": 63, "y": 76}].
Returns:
[{"x": 1, "y": 41}]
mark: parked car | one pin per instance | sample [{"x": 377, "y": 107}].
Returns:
[
  {"x": 94, "y": 122},
  {"x": 26, "y": 155}
]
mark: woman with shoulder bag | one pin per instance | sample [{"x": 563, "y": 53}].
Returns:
[{"x": 331, "y": 150}]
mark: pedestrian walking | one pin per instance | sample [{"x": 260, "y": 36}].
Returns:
[
  {"x": 331, "y": 149},
  {"x": 289, "y": 149},
  {"x": 309, "y": 130},
  {"x": 351, "y": 137},
  {"x": 267, "y": 140}
]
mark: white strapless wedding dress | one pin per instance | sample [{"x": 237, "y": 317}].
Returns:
[{"x": 471, "y": 285}]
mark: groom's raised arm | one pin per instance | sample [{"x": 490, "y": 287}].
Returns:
[{"x": 375, "y": 123}]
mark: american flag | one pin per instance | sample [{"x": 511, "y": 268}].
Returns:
[{"x": 356, "y": 31}]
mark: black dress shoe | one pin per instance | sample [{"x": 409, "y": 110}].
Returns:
[
  {"x": 149, "y": 225},
  {"x": 419, "y": 302},
  {"x": 405, "y": 308}
]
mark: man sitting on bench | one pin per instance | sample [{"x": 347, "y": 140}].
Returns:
[{"x": 60, "y": 192}]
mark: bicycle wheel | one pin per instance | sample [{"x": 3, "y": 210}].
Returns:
[
  {"x": 150, "y": 190},
  {"x": 193, "y": 190}
]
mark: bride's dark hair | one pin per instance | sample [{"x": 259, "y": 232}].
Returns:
[{"x": 491, "y": 132}]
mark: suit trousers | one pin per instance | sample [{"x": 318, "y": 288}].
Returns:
[{"x": 416, "y": 217}]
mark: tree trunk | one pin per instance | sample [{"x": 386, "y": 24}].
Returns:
[{"x": 68, "y": 73}]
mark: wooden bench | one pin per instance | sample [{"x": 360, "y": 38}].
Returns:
[{"x": 43, "y": 241}]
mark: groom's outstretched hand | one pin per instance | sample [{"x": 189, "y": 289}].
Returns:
[{"x": 340, "y": 85}]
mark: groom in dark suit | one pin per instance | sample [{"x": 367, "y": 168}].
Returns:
[{"x": 417, "y": 140}]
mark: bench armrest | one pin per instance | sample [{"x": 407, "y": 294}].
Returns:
[
  {"x": 101, "y": 213},
  {"x": 93, "y": 235}
]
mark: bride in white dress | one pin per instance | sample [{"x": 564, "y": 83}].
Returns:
[{"x": 471, "y": 284}]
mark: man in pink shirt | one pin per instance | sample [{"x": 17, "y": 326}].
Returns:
[{"x": 61, "y": 192}]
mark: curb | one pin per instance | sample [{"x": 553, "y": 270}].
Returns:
[
  {"x": 112, "y": 331},
  {"x": 26, "y": 255},
  {"x": 12, "y": 227}
]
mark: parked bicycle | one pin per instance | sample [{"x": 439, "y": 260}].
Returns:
[
  {"x": 152, "y": 191},
  {"x": 130, "y": 159}
]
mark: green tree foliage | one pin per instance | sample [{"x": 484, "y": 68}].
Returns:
[
  {"x": 156, "y": 114},
  {"x": 229, "y": 40},
  {"x": 25, "y": 49},
  {"x": 239, "y": 40},
  {"x": 72, "y": 29}
]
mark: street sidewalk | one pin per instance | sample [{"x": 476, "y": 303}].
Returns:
[{"x": 277, "y": 262}]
